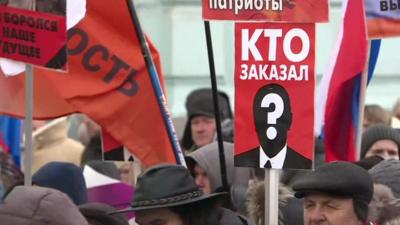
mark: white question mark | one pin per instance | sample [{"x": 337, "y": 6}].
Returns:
[{"x": 273, "y": 116}]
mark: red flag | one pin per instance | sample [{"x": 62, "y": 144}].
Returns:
[{"x": 107, "y": 80}]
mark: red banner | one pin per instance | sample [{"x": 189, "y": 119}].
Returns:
[
  {"x": 33, "y": 37},
  {"x": 297, "y": 11},
  {"x": 112, "y": 150},
  {"x": 107, "y": 80},
  {"x": 274, "y": 95}
]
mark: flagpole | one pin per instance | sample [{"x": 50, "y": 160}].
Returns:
[
  {"x": 373, "y": 53},
  {"x": 162, "y": 103},
  {"x": 363, "y": 88},
  {"x": 214, "y": 87},
  {"x": 28, "y": 125}
]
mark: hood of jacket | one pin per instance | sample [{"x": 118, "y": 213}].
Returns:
[
  {"x": 51, "y": 143},
  {"x": 207, "y": 157},
  {"x": 39, "y": 206},
  {"x": 50, "y": 133},
  {"x": 387, "y": 172}
]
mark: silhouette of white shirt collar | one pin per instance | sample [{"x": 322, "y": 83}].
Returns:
[{"x": 276, "y": 161}]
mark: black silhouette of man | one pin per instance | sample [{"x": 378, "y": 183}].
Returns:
[{"x": 273, "y": 151}]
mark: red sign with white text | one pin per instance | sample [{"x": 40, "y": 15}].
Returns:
[
  {"x": 33, "y": 37},
  {"x": 274, "y": 95},
  {"x": 296, "y": 11}
]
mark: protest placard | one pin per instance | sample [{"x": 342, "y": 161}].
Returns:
[
  {"x": 274, "y": 95},
  {"x": 32, "y": 37}
]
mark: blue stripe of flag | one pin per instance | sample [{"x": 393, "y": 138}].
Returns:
[
  {"x": 11, "y": 133},
  {"x": 373, "y": 57}
]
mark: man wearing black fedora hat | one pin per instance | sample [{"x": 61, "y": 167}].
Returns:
[
  {"x": 337, "y": 193},
  {"x": 167, "y": 194}
]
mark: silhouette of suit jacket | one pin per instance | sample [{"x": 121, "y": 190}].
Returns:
[{"x": 293, "y": 159}]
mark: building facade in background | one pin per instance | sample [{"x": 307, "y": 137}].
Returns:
[{"x": 177, "y": 29}]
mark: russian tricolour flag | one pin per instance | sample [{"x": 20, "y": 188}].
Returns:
[
  {"x": 338, "y": 96},
  {"x": 10, "y": 137}
]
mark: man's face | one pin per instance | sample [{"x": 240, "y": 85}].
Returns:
[
  {"x": 201, "y": 179},
  {"x": 162, "y": 216},
  {"x": 203, "y": 130},
  {"x": 387, "y": 149},
  {"x": 320, "y": 209}
]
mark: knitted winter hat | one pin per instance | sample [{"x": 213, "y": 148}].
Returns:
[
  {"x": 376, "y": 133},
  {"x": 65, "y": 177},
  {"x": 387, "y": 172}
]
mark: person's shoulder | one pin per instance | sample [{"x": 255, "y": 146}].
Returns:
[{"x": 231, "y": 218}]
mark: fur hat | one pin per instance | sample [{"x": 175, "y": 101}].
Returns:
[
  {"x": 376, "y": 133},
  {"x": 200, "y": 103},
  {"x": 256, "y": 203}
]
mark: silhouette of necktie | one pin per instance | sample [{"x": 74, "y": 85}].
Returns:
[{"x": 267, "y": 165}]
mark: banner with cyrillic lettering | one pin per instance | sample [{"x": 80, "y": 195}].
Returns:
[
  {"x": 107, "y": 80},
  {"x": 297, "y": 11},
  {"x": 33, "y": 37},
  {"x": 383, "y": 18},
  {"x": 274, "y": 95}
]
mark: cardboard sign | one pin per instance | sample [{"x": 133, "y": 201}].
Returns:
[
  {"x": 33, "y": 37},
  {"x": 274, "y": 95},
  {"x": 383, "y": 18},
  {"x": 298, "y": 11}
]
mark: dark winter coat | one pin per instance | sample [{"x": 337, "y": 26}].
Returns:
[
  {"x": 39, "y": 206},
  {"x": 231, "y": 218}
]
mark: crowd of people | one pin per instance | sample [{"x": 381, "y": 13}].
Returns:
[{"x": 72, "y": 185}]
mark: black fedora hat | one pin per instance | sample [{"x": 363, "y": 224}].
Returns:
[{"x": 164, "y": 186}]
